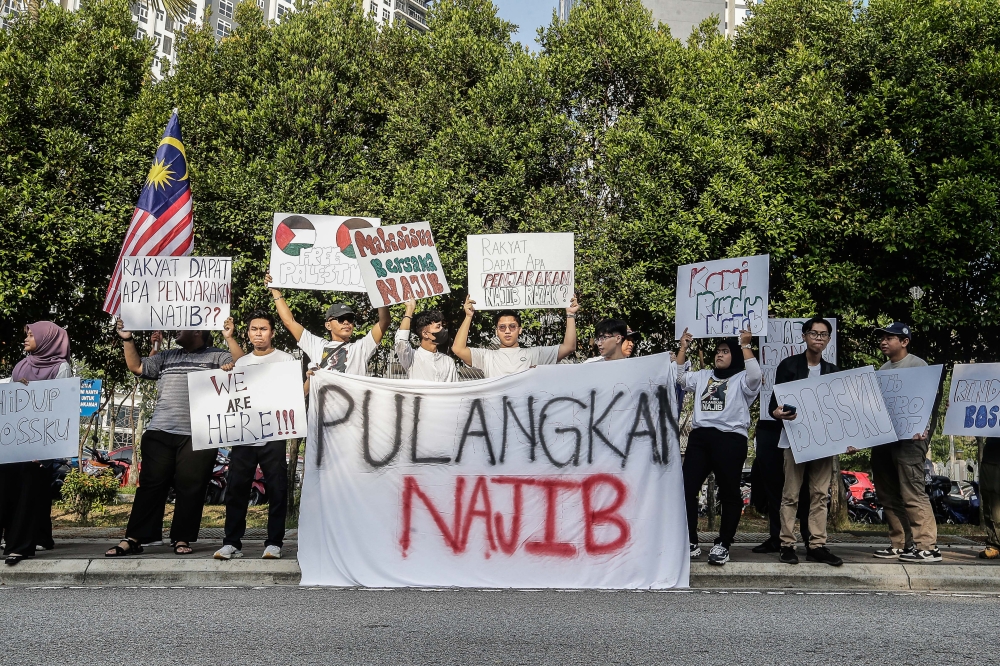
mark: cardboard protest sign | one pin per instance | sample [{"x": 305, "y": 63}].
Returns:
[
  {"x": 399, "y": 263},
  {"x": 40, "y": 421},
  {"x": 175, "y": 293},
  {"x": 909, "y": 396},
  {"x": 316, "y": 252},
  {"x": 562, "y": 476},
  {"x": 90, "y": 396},
  {"x": 721, "y": 298},
  {"x": 247, "y": 405},
  {"x": 516, "y": 271},
  {"x": 835, "y": 411},
  {"x": 974, "y": 401},
  {"x": 784, "y": 339}
]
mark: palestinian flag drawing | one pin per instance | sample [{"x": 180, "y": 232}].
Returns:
[
  {"x": 344, "y": 234},
  {"x": 294, "y": 234}
]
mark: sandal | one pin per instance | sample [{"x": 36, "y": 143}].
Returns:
[
  {"x": 13, "y": 559},
  {"x": 182, "y": 548},
  {"x": 134, "y": 548}
]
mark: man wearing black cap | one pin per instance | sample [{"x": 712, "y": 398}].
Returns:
[
  {"x": 632, "y": 338},
  {"x": 339, "y": 353},
  {"x": 898, "y": 471}
]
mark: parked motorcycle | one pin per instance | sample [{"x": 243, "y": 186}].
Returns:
[
  {"x": 865, "y": 509},
  {"x": 954, "y": 502},
  {"x": 258, "y": 491},
  {"x": 99, "y": 461},
  {"x": 216, "y": 492}
]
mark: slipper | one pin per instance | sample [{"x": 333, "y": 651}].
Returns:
[{"x": 133, "y": 549}]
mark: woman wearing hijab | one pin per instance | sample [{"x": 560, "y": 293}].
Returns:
[
  {"x": 25, "y": 487},
  {"x": 718, "y": 439}
]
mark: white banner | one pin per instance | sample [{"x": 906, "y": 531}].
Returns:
[
  {"x": 40, "y": 421},
  {"x": 909, "y": 396},
  {"x": 784, "y": 339},
  {"x": 399, "y": 263},
  {"x": 175, "y": 293},
  {"x": 974, "y": 401},
  {"x": 517, "y": 271},
  {"x": 316, "y": 252},
  {"x": 558, "y": 476},
  {"x": 247, "y": 405},
  {"x": 835, "y": 411},
  {"x": 721, "y": 298}
]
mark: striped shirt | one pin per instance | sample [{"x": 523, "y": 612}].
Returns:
[{"x": 172, "y": 412}]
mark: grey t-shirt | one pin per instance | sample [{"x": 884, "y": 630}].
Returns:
[
  {"x": 508, "y": 360},
  {"x": 908, "y": 361},
  {"x": 172, "y": 412}
]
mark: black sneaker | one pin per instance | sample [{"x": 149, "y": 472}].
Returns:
[
  {"x": 719, "y": 555},
  {"x": 921, "y": 556},
  {"x": 767, "y": 547},
  {"x": 823, "y": 554},
  {"x": 695, "y": 551},
  {"x": 788, "y": 555},
  {"x": 889, "y": 553}
]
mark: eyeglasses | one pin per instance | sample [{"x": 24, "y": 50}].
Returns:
[
  {"x": 606, "y": 336},
  {"x": 818, "y": 335},
  {"x": 507, "y": 327}
]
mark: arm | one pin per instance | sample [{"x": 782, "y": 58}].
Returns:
[
  {"x": 568, "y": 345},
  {"x": 686, "y": 339},
  {"x": 228, "y": 329},
  {"x": 132, "y": 358},
  {"x": 404, "y": 352},
  {"x": 379, "y": 329},
  {"x": 754, "y": 376},
  {"x": 287, "y": 318},
  {"x": 782, "y": 374},
  {"x": 461, "y": 343}
]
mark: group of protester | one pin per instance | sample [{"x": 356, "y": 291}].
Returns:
[{"x": 718, "y": 440}]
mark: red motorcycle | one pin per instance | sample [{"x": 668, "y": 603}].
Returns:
[{"x": 100, "y": 461}]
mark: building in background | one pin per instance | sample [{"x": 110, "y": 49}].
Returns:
[{"x": 682, "y": 16}]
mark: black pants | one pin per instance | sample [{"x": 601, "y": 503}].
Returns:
[
  {"x": 711, "y": 450},
  {"x": 24, "y": 490},
  {"x": 168, "y": 460},
  {"x": 243, "y": 461},
  {"x": 770, "y": 461}
]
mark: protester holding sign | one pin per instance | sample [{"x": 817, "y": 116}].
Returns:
[
  {"x": 168, "y": 458},
  {"x": 898, "y": 471},
  {"x": 609, "y": 336},
  {"x": 339, "y": 354},
  {"x": 989, "y": 494},
  {"x": 25, "y": 495},
  {"x": 243, "y": 460},
  {"x": 718, "y": 439},
  {"x": 810, "y": 363},
  {"x": 427, "y": 362},
  {"x": 511, "y": 357}
]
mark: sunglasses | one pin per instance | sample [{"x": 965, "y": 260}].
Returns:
[{"x": 345, "y": 319}]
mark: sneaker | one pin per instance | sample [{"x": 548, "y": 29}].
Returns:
[
  {"x": 823, "y": 554},
  {"x": 991, "y": 553},
  {"x": 921, "y": 556},
  {"x": 695, "y": 551},
  {"x": 272, "y": 553},
  {"x": 889, "y": 553},
  {"x": 719, "y": 555},
  {"x": 788, "y": 555},
  {"x": 768, "y": 546},
  {"x": 228, "y": 552}
]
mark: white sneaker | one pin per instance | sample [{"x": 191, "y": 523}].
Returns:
[
  {"x": 228, "y": 553},
  {"x": 695, "y": 551},
  {"x": 272, "y": 553},
  {"x": 719, "y": 555}
]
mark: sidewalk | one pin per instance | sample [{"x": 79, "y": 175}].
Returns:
[{"x": 78, "y": 559}]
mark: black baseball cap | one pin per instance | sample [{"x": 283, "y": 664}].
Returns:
[
  {"x": 896, "y": 328},
  {"x": 634, "y": 336},
  {"x": 338, "y": 310}
]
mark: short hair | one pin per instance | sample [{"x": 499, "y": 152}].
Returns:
[
  {"x": 611, "y": 326},
  {"x": 260, "y": 314},
  {"x": 808, "y": 324},
  {"x": 425, "y": 319},
  {"x": 506, "y": 313}
]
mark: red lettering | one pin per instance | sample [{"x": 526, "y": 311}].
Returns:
[
  {"x": 407, "y": 290},
  {"x": 508, "y": 546},
  {"x": 479, "y": 490},
  {"x": 451, "y": 537},
  {"x": 607, "y": 516},
  {"x": 435, "y": 283},
  {"x": 363, "y": 243},
  {"x": 416, "y": 281},
  {"x": 549, "y": 545},
  {"x": 387, "y": 289}
]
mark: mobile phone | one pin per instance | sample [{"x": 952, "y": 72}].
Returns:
[{"x": 790, "y": 409}]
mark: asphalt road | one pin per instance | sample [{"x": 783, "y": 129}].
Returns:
[{"x": 276, "y": 626}]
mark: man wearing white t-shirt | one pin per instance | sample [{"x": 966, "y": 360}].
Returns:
[
  {"x": 511, "y": 357},
  {"x": 339, "y": 353},
  {"x": 426, "y": 362},
  {"x": 243, "y": 460}
]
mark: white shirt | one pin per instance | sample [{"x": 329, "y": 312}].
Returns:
[
  {"x": 65, "y": 371},
  {"x": 351, "y": 358},
  {"x": 274, "y": 356},
  {"x": 422, "y": 364},
  {"x": 723, "y": 404},
  {"x": 783, "y": 443},
  {"x": 508, "y": 360}
]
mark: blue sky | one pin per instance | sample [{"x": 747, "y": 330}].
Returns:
[{"x": 528, "y": 15}]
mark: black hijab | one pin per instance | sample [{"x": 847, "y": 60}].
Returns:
[{"x": 737, "y": 365}]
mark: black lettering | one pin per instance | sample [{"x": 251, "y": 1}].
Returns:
[
  {"x": 641, "y": 413},
  {"x": 529, "y": 432},
  {"x": 667, "y": 418},
  {"x": 594, "y": 424},
  {"x": 413, "y": 440},
  {"x": 476, "y": 409},
  {"x": 575, "y": 458},
  {"x": 321, "y": 438},
  {"x": 397, "y": 440}
]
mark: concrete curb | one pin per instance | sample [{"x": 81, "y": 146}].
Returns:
[{"x": 152, "y": 571}]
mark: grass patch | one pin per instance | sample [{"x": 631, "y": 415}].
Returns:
[{"x": 117, "y": 515}]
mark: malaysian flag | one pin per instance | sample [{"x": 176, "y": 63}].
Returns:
[{"x": 162, "y": 224}]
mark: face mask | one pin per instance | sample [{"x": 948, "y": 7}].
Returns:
[{"x": 441, "y": 338}]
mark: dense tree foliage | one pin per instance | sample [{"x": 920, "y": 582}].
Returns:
[{"x": 857, "y": 145}]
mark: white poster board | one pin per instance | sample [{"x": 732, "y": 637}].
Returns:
[
  {"x": 518, "y": 271},
  {"x": 784, "y": 339},
  {"x": 720, "y": 298},
  {"x": 559, "y": 477},
  {"x": 40, "y": 421},
  {"x": 835, "y": 411},
  {"x": 909, "y": 396},
  {"x": 399, "y": 263},
  {"x": 974, "y": 400},
  {"x": 316, "y": 252},
  {"x": 175, "y": 293},
  {"x": 247, "y": 405}
]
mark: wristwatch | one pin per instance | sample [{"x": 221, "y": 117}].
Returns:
[{"x": 746, "y": 346}]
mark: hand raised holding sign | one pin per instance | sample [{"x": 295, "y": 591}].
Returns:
[{"x": 574, "y": 306}]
